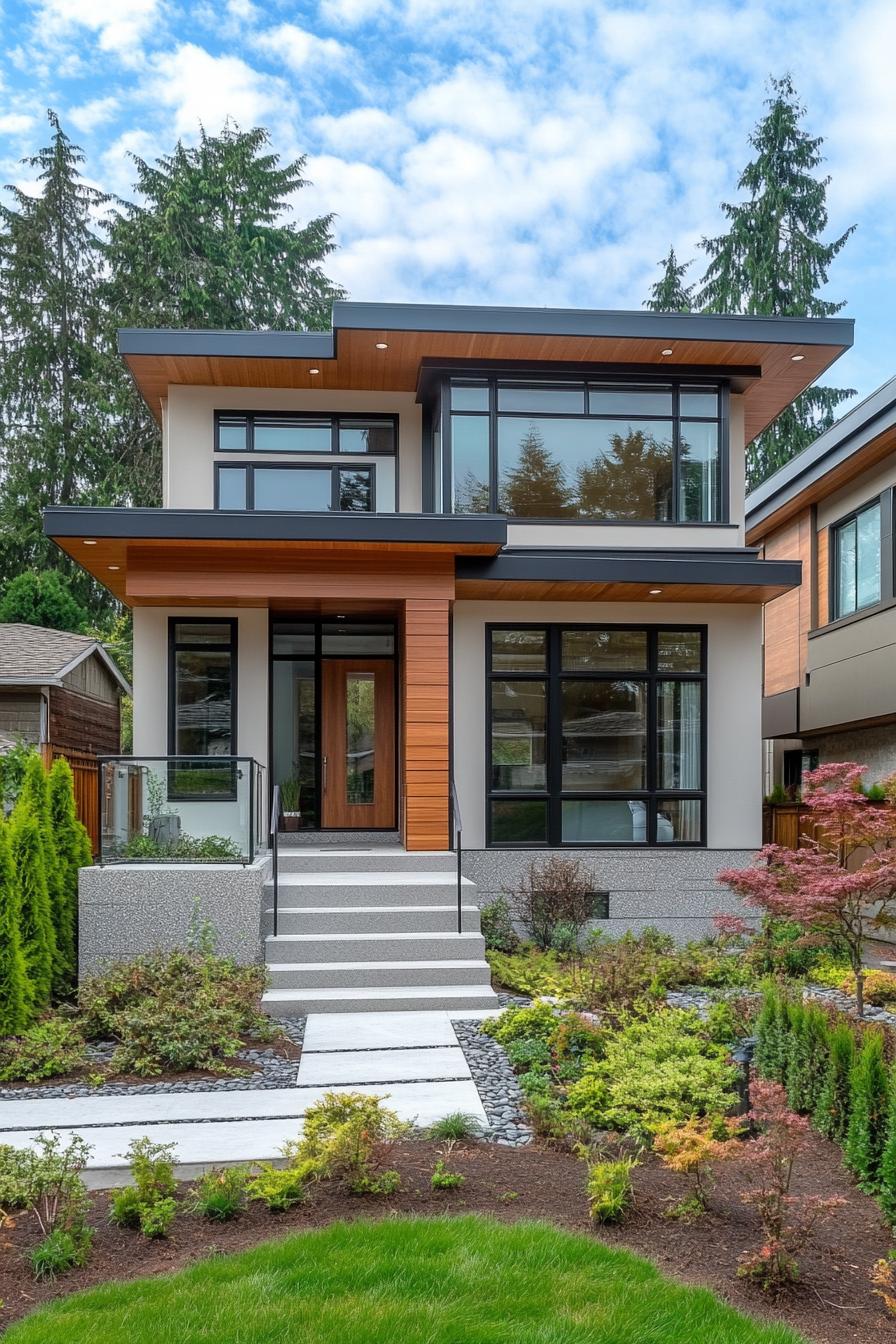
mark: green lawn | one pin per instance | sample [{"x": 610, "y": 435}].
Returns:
[{"x": 410, "y": 1281}]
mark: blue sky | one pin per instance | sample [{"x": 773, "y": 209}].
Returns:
[{"x": 506, "y": 151}]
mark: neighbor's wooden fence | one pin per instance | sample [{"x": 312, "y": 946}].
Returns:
[
  {"x": 85, "y": 771},
  {"x": 787, "y": 824}
]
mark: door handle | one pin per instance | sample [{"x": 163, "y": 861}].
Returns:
[{"x": 323, "y": 768}]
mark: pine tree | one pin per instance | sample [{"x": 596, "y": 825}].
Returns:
[
  {"x": 15, "y": 990},
  {"x": 774, "y": 262},
  {"x": 35, "y": 799},
  {"x": 670, "y": 294},
  {"x": 56, "y": 435},
  {"x": 888, "y": 1161},
  {"x": 38, "y": 935},
  {"x": 74, "y": 851},
  {"x": 866, "y": 1135},
  {"x": 208, "y": 245},
  {"x": 536, "y": 486},
  {"x": 831, "y": 1115}
]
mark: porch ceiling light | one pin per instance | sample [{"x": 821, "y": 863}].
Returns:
[
  {"x": 114, "y": 566},
  {"x": 89, "y": 543},
  {"x": 667, "y": 351},
  {"x": 655, "y": 592},
  {"x": 382, "y": 345},
  {"x": 314, "y": 370},
  {"x": 796, "y": 358}
]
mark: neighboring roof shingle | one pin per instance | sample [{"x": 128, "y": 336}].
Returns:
[{"x": 31, "y": 652}]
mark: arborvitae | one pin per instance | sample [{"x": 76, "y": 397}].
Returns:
[
  {"x": 869, "y": 1096},
  {"x": 797, "y": 1052},
  {"x": 888, "y": 1161},
  {"x": 15, "y": 991},
  {"x": 36, "y": 795},
  {"x": 670, "y": 294},
  {"x": 818, "y": 1038},
  {"x": 73, "y": 849},
  {"x": 770, "y": 1038},
  {"x": 831, "y": 1116},
  {"x": 38, "y": 936}
]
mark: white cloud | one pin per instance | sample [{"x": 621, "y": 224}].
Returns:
[
  {"x": 197, "y": 87},
  {"x": 365, "y": 132},
  {"x": 14, "y": 123},
  {"x": 352, "y": 12},
  {"x": 90, "y": 115},
  {"x": 297, "y": 48},
  {"x": 120, "y": 26}
]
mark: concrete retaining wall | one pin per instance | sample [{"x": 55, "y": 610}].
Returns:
[{"x": 127, "y": 909}]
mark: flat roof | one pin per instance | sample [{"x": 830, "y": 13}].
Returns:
[
  {"x": 382, "y": 347},
  {"x": 870, "y": 423}
]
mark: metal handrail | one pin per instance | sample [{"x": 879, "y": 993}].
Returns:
[
  {"x": 457, "y": 846},
  {"x": 276, "y": 814}
]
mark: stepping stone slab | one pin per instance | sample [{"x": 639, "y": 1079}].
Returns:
[
  {"x": 376, "y": 1031},
  {"x": 341, "y": 1068}
]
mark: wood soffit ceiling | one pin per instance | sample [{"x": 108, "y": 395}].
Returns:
[{"x": 359, "y": 365}]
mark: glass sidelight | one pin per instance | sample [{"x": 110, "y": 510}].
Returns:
[{"x": 360, "y": 738}]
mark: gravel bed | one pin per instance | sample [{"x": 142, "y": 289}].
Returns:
[
  {"x": 273, "y": 1071},
  {"x": 496, "y": 1084},
  {"x": 847, "y": 1004}
]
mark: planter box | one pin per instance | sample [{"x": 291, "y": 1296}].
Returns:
[{"x": 292, "y": 821}]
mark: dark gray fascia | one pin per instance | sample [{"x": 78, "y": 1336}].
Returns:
[
  {"x": 872, "y": 417},
  {"x": 227, "y": 344},
  {"x": 591, "y": 322},
  {"x": 735, "y": 568},
  {"x": 221, "y": 525}
]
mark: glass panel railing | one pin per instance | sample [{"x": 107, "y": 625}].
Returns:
[{"x": 178, "y": 809}]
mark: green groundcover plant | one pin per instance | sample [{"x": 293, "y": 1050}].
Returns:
[{"x": 421, "y": 1281}]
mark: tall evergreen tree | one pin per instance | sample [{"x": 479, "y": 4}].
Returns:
[
  {"x": 74, "y": 851},
  {"x": 536, "y": 487},
  {"x": 15, "y": 990},
  {"x": 38, "y": 935},
  {"x": 34, "y": 801},
  {"x": 209, "y": 247},
  {"x": 670, "y": 294},
  {"x": 42, "y": 599},
  {"x": 773, "y": 260}
]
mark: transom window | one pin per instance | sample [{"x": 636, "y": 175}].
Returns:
[
  {"x": 856, "y": 546},
  {"x": 296, "y": 487},
  {"x": 254, "y": 431},
  {"x": 596, "y": 735},
  {"x": 587, "y": 451}
]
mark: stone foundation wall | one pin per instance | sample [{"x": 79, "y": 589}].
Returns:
[
  {"x": 675, "y": 890},
  {"x": 127, "y": 909},
  {"x": 874, "y": 747}
]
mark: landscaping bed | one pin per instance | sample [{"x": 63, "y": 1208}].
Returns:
[{"x": 832, "y": 1302}]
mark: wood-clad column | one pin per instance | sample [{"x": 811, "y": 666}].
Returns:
[{"x": 425, "y": 719}]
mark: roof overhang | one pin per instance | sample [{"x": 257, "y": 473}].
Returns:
[
  {"x": 382, "y": 347},
  {"x": 859, "y": 440}
]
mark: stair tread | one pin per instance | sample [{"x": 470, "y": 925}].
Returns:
[
  {"x": 456, "y": 963},
  {"x": 386, "y": 992},
  {"x": 347, "y": 878},
  {"x": 361, "y": 909},
  {"x": 372, "y": 937}
]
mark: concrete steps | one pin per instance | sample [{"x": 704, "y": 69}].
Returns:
[{"x": 373, "y": 930}]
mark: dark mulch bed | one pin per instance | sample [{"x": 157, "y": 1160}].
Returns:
[{"x": 833, "y": 1304}]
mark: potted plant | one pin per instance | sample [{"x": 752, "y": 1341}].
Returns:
[{"x": 290, "y": 801}]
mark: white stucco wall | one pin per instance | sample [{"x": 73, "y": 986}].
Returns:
[
  {"x": 734, "y": 737},
  {"x": 188, "y": 455}
]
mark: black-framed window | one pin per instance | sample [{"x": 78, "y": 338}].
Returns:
[
  {"x": 296, "y": 487},
  {"x": 202, "y": 702},
  {"x": 586, "y": 450},
  {"x": 303, "y": 434},
  {"x": 857, "y": 556},
  {"x": 596, "y": 735}
]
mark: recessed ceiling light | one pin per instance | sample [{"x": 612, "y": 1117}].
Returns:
[
  {"x": 655, "y": 592},
  {"x": 114, "y": 566},
  {"x": 314, "y": 370},
  {"x": 667, "y": 351},
  {"x": 382, "y": 345},
  {"x": 89, "y": 543},
  {"x": 796, "y": 358}
]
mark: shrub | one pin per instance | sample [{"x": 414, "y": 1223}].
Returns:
[
  {"x": 787, "y": 1221},
  {"x": 517, "y": 1023},
  {"x": 443, "y": 1178},
  {"x": 48, "y": 1049},
  {"x": 278, "y": 1187},
  {"x": 771, "y": 1045},
  {"x": 609, "y": 1188},
  {"x": 690, "y": 1148},
  {"x": 74, "y": 851},
  {"x": 808, "y": 1060},
  {"x": 456, "y": 1126},
  {"x": 655, "y": 1069},
  {"x": 535, "y": 1083},
  {"x": 880, "y": 988},
  {"x": 38, "y": 936},
  {"x": 613, "y": 974},
  {"x": 497, "y": 926},
  {"x": 174, "y": 1010},
  {"x": 59, "y": 1251},
  {"x": 868, "y": 1096},
  {"x": 530, "y": 1052},
  {"x": 530, "y": 971},
  {"x": 54, "y": 1190},
  {"x": 555, "y": 1122},
  {"x": 14, "y": 1167},
  {"x": 574, "y": 1041},
  {"x": 883, "y": 1279},
  {"x": 346, "y": 1137},
  {"x": 553, "y": 892},
  {"x": 830, "y": 970},
  {"x": 156, "y": 1219},
  {"x": 34, "y": 801},
  {"x": 220, "y": 1194},
  {"x": 149, "y": 1203},
  {"x": 888, "y": 1160},
  {"x": 15, "y": 988},
  {"x": 831, "y": 1114}
]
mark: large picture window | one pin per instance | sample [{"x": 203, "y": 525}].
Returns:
[
  {"x": 587, "y": 451},
  {"x": 202, "y": 688},
  {"x": 596, "y": 735},
  {"x": 857, "y": 561}
]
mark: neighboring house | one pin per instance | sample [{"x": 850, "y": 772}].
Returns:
[
  {"x": 829, "y": 689},
  {"x": 442, "y": 563},
  {"x": 61, "y": 692}
]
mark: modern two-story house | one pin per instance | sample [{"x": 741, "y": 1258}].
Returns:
[
  {"x": 439, "y": 568},
  {"x": 829, "y": 690}
]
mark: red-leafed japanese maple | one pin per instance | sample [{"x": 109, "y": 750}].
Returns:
[{"x": 843, "y": 881}]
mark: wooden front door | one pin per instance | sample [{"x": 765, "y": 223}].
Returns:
[{"x": 358, "y": 744}]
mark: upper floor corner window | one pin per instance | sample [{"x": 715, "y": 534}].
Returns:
[
  {"x": 284, "y": 432},
  {"x": 586, "y": 450},
  {"x": 857, "y": 561},
  {"x": 300, "y": 488}
]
